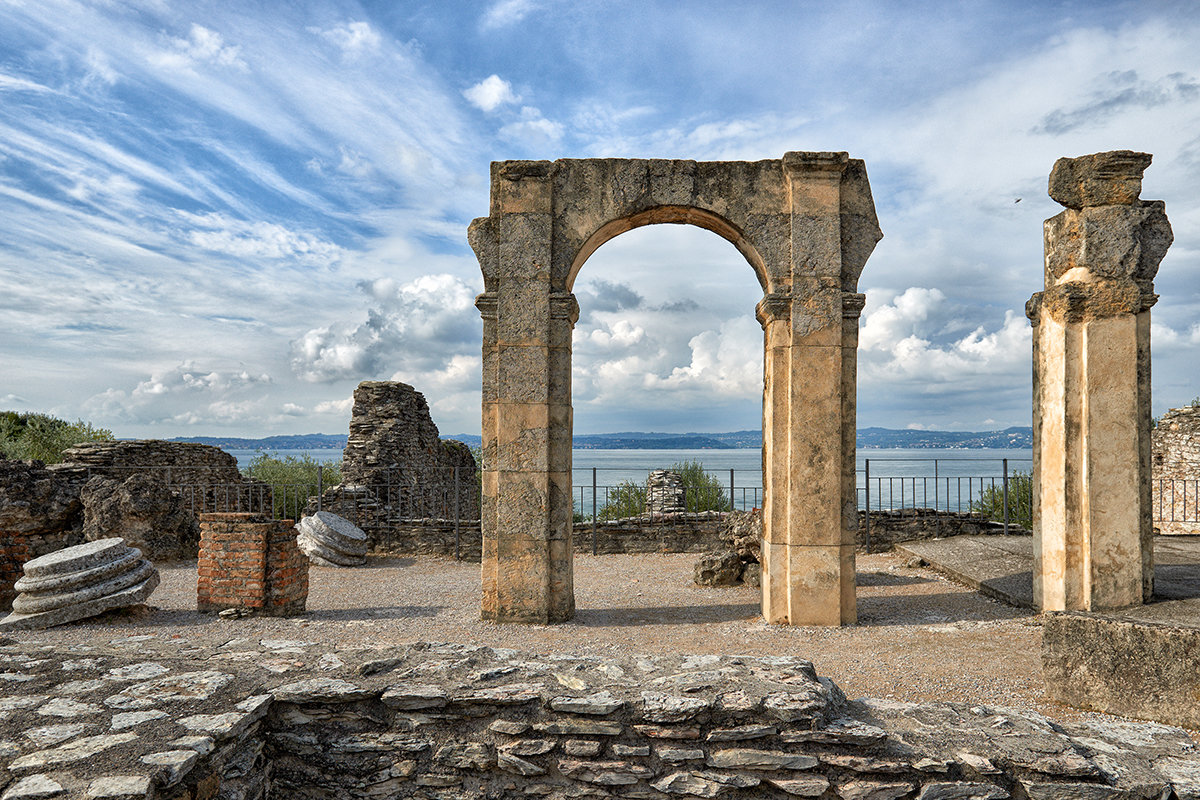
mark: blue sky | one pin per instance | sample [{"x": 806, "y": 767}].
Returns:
[{"x": 217, "y": 218}]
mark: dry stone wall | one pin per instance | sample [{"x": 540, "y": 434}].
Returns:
[
  {"x": 154, "y": 719},
  {"x": 40, "y": 512},
  {"x": 1175, "y": 471},
  {"x": 395, "y": 465},
  {"x": 174, "y": 463}
]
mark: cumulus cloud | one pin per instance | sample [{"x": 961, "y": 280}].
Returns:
[
  {"x": 422, "y": 322},
  {"x": 491, "y": 93},
  {"x": 343, "y": 406},
  {"x": 909, "y": 340},
  {"x": 601, "y": 295},
  {"x": 188, "y": 394}
]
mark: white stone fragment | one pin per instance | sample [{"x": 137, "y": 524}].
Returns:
[
  {"x": 34, "y": 787},
  {"x": 119, "y": 787},
  {"x": 130, "y": 719}
]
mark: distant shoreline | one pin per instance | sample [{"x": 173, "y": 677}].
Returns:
[{"x": 1015, "y": 438}]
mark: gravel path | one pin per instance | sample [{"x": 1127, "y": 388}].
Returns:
[{"x": 919, "y": 636}]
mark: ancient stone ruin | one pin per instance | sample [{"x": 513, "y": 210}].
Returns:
[
  {"x": 147, "y": 514},
  {"x": 1091, "y": 395},
  {"x": 396, "y": 468},
  {"x": 806, "y": 224},
  {"x": 250, "y": 563},
  {"x": 46, "y": 508},
  {"x": 664, "y": 493},
  {"x": 79, "y": 582},
  {"x": 331, "y": 541},
  {"x": 1175, "y": 471}
]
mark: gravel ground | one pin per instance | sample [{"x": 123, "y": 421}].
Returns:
[{"x": 919, "y": 637}]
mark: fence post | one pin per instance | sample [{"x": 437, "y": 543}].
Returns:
[
  {"x": 320, "y": 485},
  {"x": 1006, "y": 495},
  {"x": 732, "y": 505},
  {"x": 935, "y": 485},
  {"x": 593, "y": 511},
  {"x": 867, "y": 512},
  {"x": 457, "y": 543}
]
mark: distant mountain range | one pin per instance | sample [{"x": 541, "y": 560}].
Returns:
[{"x": 868, "y": 439}]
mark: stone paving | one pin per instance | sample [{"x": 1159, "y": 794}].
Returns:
[{"x": 155, "y": 716}]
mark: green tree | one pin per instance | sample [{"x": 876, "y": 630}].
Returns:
[
  {"x": 293, "y": 479},
  {"x": 1020, "y": 501},
  {"x": 42, "y": 437}
]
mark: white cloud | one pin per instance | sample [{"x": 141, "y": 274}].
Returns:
[
  {"x": 503, "y": 13},
  {"x": 339, "y": 407},
  {"x": 12, "y": 83},
  {"x": 202, "y": 46},
  {"x": 421, "y": 324},
  {"x": 292, "y": 410},
  {"x": 244, "y": 239},
  {"x": 12, "y": 399},
  {"x": 491, "y": 93},
  {"x": 532, "y": 131},
  {"x": 354, "y": 38}
]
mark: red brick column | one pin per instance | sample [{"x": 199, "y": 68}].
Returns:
[
  {"x": 14, "y": 552},
  {"x": 251, "y": 562}
]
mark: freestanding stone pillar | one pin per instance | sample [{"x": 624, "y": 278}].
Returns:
[
  {"x": 1091, "y": 386},
  {"x": 806, "y": 224}
]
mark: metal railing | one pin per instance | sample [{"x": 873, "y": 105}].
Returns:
[{"x": 1175, "y": 503}]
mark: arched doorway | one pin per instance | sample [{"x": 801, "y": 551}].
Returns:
[{"x": 806, "y": 224}]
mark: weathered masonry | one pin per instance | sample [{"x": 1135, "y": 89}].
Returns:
[
  {"x": 806, "y": 224},
  {"x": 1091, "y": 393}
]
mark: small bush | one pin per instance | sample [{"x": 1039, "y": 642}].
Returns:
[
  {"x": 702, "y": 492},
  {"x": 293, "y": 479},
  {"x": 1020, "y": 501},
  {"x": 42, "y": 437}
]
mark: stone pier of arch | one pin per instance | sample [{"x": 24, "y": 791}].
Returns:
[
  {"x": 806, "y": 225},
  {"x": 1092, "y": 526}
]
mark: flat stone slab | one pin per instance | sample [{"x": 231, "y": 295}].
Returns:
[
  {"x": 1002, "y": 567},
  {"x": 75, "y": 559}
]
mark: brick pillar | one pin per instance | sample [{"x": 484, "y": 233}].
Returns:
[
  {"x": 249, "y": 561},
  {"x": 14, "y": 552}
]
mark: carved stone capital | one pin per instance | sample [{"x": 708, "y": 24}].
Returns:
[
  {"x": 488, "y": 304},
  {"x": 852, "y": 304},
  {"x": 563, "y": 305},
  {"x": 774, "y": 306}
]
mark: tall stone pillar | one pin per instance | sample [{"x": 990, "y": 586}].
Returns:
[
  {"x": 809, "y": 513},
  {"x": 1091, "y": 392},
  {"x": 526, "y": 507}
]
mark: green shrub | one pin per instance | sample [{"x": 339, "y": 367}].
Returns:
[
  {"x": 702, "y": 492},
  {"x": 42, "y": 437},
  {"x": 294, "y": 479},
  {"x": 1020, "y": 501}
]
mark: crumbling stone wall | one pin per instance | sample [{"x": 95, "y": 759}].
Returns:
[
  {"x": 175, "y": 463},
  {"x": 142, "y": 511},
  {"x": 1175, "y": 471},
  {"x": 40, "y": 512},
  {"x": 396, "y": 466}
]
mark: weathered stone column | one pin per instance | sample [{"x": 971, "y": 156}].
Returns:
[
  {"x": 1091, "y": 392},
  {"x": 808, "y": 472},
  {"x": 526, "y": 514}
]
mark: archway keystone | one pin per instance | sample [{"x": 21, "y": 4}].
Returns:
[{"x": 806, "y": 225}]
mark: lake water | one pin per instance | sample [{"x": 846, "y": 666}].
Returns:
[{"x": 949, "y": 479}]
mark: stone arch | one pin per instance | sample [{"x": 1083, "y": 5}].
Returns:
[
  {"x": 806, "y": 224},
  {"x": 670, "y": 215}
]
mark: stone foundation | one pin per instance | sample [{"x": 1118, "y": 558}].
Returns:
[
  {"x": 251, "y": 563},
  {"x": 1118, "y": 666},
  {"x": 456, "y": 721}
]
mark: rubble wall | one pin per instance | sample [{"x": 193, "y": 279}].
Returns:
[
  {"x": 1175, "y": 471},
  {"x": 458, "y": 721}
]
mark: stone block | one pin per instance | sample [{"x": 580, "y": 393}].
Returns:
[{"x": 1099, "y": 179}]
